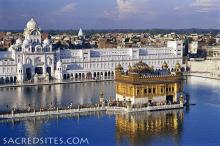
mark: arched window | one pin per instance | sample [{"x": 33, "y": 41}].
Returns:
[
  {"x": 37, "y": 60},
  {"x": 49, "y": 61},
  {"x": 38, "y": 48}
]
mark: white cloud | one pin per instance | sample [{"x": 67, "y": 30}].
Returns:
[
  {"x": 131, "y": 6},
  {"x": 69, "y": 8},
  {"x": 206, "y": 5},
  {"x": 126, "y": 8},
  {"x": 178, "y": 8},
  {"x": 200, "y": 6}
]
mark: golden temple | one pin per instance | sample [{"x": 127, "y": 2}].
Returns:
[{"x": 142, "y": 84}]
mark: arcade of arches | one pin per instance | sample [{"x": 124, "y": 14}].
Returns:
[
  {"x": 89, "y": 75},
  {"x": 10, "y": 79}
]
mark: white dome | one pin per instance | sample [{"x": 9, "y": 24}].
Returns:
[
  {"x": 46, "y": 41},
  {"x": 18, "y": 41},
  {"x": 32, "y": 24}
]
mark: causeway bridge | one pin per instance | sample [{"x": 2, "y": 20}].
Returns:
[{"x": 112, "y": 109}]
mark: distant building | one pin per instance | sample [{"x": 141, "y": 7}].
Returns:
[
  {"x": 210, "y": 66},
  {"x": 101, "y": 63},
  {"x": 193, "y": 47},
  {"x": 217, "y": 39},
  {"x": 34, "y": 59}
]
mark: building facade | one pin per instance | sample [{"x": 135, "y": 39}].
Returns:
[
  {"x": 34, "y": 59},
  {"x": 101, "y": 63}
]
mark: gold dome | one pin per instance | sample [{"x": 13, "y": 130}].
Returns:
[
  {"x": 32, "y": 24},
  {"x": 140, "y": 67},
  {"x": 178, "y": 65},
  {"x": 164, "y": 65},
  {"x": 119, "y": 67}
]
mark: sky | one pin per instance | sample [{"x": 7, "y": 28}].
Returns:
[{"x": 111, "y": 14}]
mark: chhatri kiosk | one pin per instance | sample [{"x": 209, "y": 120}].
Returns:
[{"x": 142, "y": 84}]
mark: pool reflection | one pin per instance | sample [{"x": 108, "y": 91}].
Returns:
[{"x": 143, "y": 128}]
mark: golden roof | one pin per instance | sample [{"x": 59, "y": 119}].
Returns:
[{"x": 140, "y": 67}]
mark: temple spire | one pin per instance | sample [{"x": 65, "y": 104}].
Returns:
[{"x": 80, "y": 33}]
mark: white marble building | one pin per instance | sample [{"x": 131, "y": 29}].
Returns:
[
  {"x": 34, "y": 59},
  {"x": 93, "y": 63},
  {"x": 29, "y": 58}
]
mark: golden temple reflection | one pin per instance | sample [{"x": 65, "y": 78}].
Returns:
[{"x": 143, "y": 127}]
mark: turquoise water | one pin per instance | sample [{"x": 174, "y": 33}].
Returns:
[{"x": 198, "y": 125}]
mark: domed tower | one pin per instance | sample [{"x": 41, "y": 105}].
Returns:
[
  {"x": 32, "y": 31},
  {"x": 20, "y": 72},
  {"x": 178, "y": 68},
  {"x": 59, "y": 71}
]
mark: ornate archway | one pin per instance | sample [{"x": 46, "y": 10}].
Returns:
[{"x": 39, "y": 70}]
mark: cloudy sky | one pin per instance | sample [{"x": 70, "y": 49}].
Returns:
[{"x": 110, "y": 14}]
